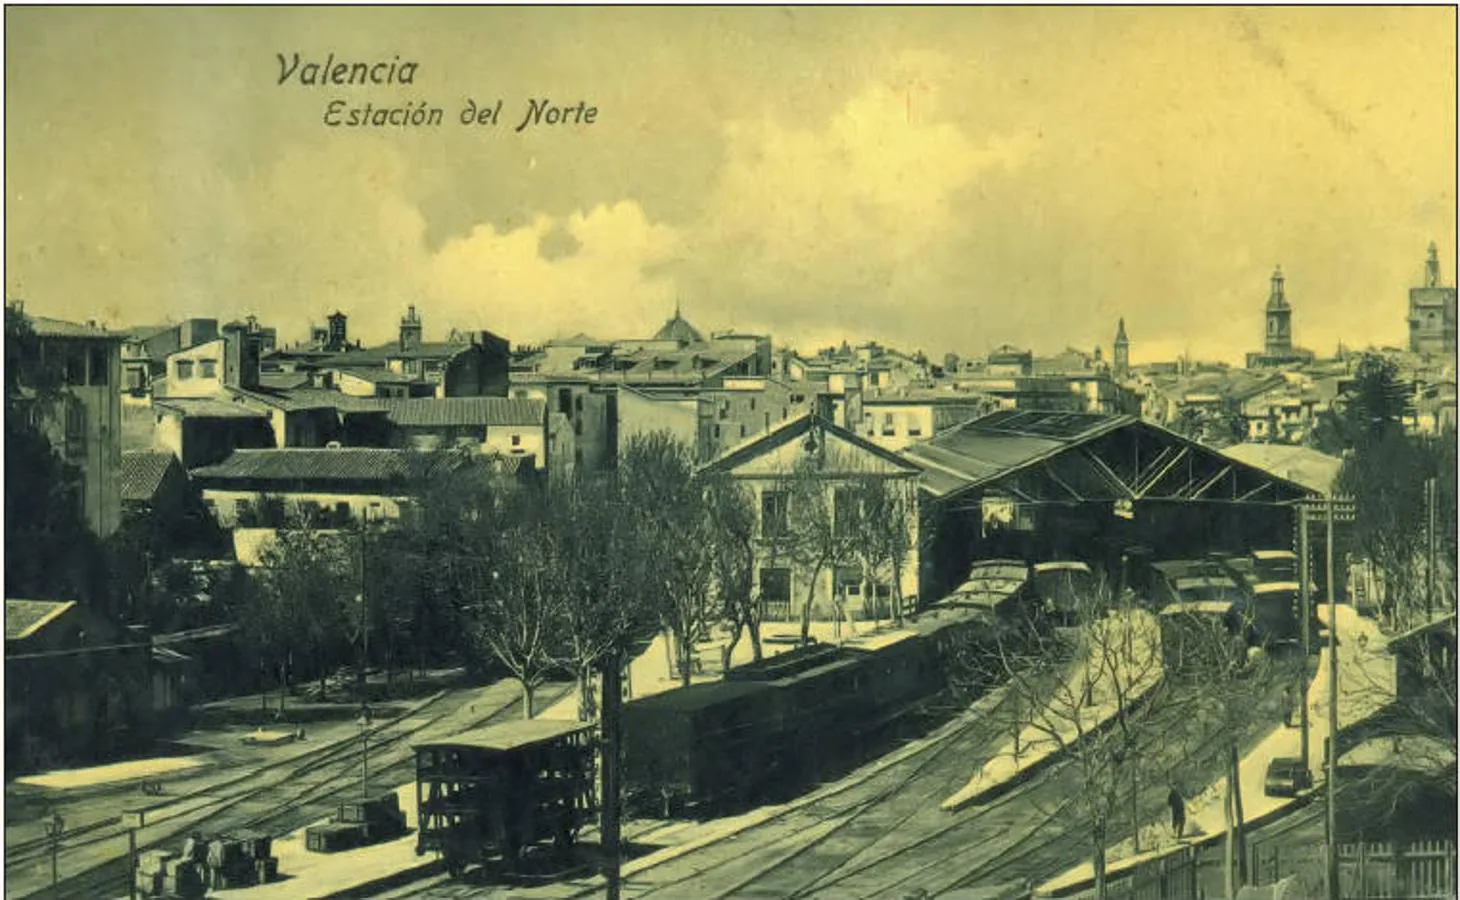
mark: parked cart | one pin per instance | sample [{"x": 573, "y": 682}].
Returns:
[{"x": 502, "y": 790}]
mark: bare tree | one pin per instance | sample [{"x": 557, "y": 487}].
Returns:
[
  {"x": 885, "y": 509},
  {"x": 1409, "y": 687},
  {"x": 1208, "y": 661},
  {"x": 819, "y": 540},
  {"x": 505, "y": 567},
  {"x": 659, "y": 476},
  {"x": 1093, "y": 695},
  {"x": 607, "y": 561},
  {"x": 731, "y": 511}
]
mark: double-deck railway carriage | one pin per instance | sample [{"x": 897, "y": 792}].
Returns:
[{"x": 503, "y": 789}]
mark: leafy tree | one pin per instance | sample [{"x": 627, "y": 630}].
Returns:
[
  {"x": 307, "y": 587},
  {"x": 1376, "y": 405},
  {"x": 143, "y": 555},
  {"x": 1219, "y": 427}
]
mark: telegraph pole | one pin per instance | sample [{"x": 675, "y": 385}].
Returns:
[
  {"x": 1345, "y": 513},
  {"x": 1430, "y": 529},
  {"x": 610, "y": 721},
  {"x": 1333, "y": 891},
  {"x": 365, "y": 716},
  {"x": 1304, "y": 589}
]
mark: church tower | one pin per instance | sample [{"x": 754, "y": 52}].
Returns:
[
  {"x": 1122, "y": 350},
  {"x": 1432, "y": 312},
  {"x": 410, "y": 330},
  {"x": 1279, "y": 341}
]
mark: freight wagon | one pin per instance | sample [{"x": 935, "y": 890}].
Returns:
[
  {"x": 502, "y": 790},
  {"x": 775, "y": 727}
]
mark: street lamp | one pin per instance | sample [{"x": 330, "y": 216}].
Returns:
[
  {"x": 54, "y": 828},
  {"x": 364, "y": 723}
]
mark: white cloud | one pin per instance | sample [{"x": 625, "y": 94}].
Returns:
[{"x": 502, "y": 281}]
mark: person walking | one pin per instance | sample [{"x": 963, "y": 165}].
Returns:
[
  {"x": 1288, "y": 695},
  {"x": 1178, "y": 812}
]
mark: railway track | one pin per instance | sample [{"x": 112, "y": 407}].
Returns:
[
  {"x": 870, "y": 852},
  {"x": 866, "y": 807},
  {"x": 884, "y": 836},
  {"x": 77, "y": 837},
  {"x": 283, "y": 795}
]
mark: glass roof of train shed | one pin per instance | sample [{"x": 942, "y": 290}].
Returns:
[{"x": 1075, "y": 458}]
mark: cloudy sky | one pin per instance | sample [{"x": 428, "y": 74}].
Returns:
[{"x": 938, "y": 179}]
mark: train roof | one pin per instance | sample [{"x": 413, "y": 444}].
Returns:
[
  {"x": 510, "y": 735},
  {"x": 1200, "y": 607},
  {"x": 697, "y": 696},
  {"x": 1274, "y": 554},
  {"x": 843, "y": 661},
  {"x": 1274, "y": 587},
  {"x": 1068, "y": 565},
  {"x": 1188, "y": 582},
  {"x": 1176, "y": 568},
  {"x": 948, "y": 611},
  {"x": 781, "y": 665},
  {"x": 879, "y": 640}
]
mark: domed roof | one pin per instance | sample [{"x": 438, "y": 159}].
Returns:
[{"x": 679, "y": 330}]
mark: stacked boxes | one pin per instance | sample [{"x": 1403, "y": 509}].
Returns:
[
  {"x": 225, "y": 862},
  {"x": 358, "y": 824},
  {"x": 151, "y": 869},
  {"x": 334, "y": 837},
  {"x": 183, "y": 878}
]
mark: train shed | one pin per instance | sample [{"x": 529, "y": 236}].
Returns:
[{"x": 1038, "y": 486}]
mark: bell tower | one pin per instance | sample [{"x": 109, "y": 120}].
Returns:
[
  {"x": 1279, "y": 337},
  {"x": 1432, "y": 311},
  {"x": 410, "y": 331},
  {"x": 1121, "y": 358}
]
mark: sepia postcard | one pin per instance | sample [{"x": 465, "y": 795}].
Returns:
[{"x": 730, "y": 451}]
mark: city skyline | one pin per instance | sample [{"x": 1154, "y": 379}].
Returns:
[{"x": 943, "y": 180}]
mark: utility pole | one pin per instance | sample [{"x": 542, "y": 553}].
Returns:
[
  {"x": 1305, "y": 590},
  {"x": 364, "y": 614},
  {"x": 610, "y": 721},
  {"x": 1333, "y": 888},
  {"x": 365, "y": 719},
  {"x": 365, "y": 716},
  {"x": 1430, "y": 529}
]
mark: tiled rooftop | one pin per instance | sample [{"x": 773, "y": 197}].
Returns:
[
  {"x": 142, "y": 473},
  {"x": 311, "y": 464}
]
